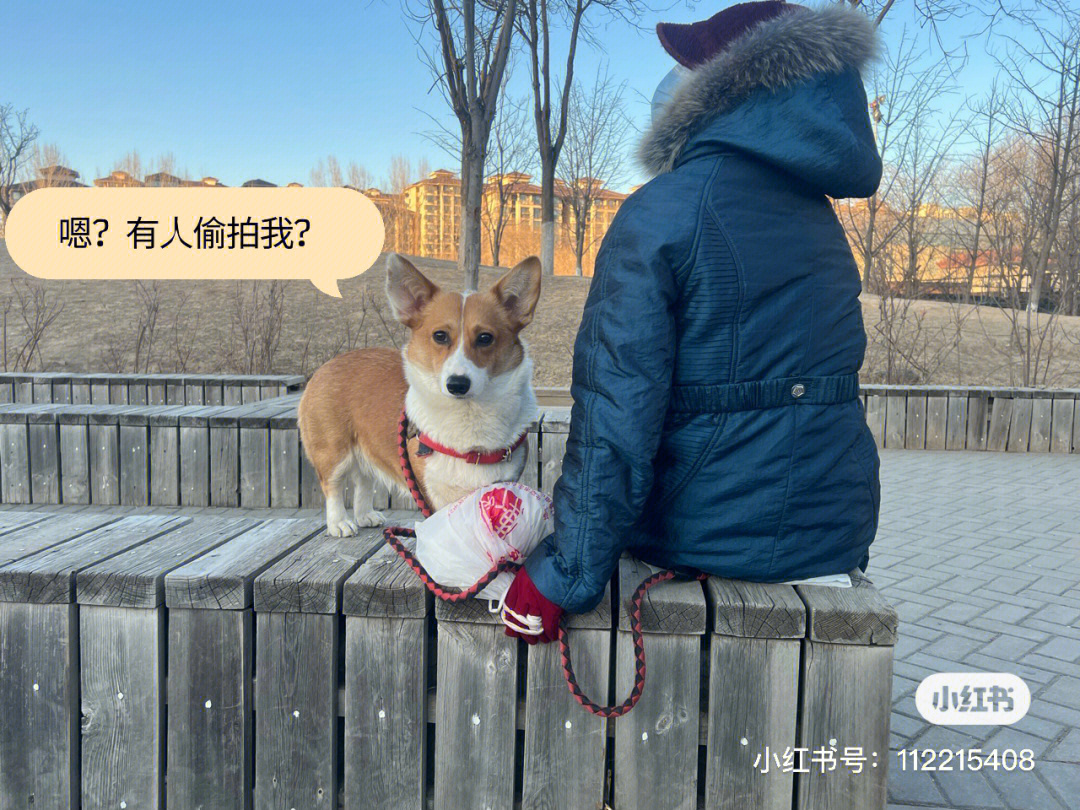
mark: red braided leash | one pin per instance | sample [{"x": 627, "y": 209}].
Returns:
[{"x": 394, "y": 536}]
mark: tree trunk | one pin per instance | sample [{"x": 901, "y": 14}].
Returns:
[
  {"x": 547, "y": 217},
  {"x": 472, "y": 190}
]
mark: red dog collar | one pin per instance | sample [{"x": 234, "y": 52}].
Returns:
[{"x": 472, "y": 456}]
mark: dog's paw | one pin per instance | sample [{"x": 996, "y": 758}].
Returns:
[
  {"x": 372, "y": 518},
  {"x": 343, "y": 527}
]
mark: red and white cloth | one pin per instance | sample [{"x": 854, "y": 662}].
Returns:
[{"x": 463, "y": 541}]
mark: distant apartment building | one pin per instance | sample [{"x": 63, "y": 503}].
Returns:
[
  {"x": 436, "y": 200},
  {"x": 118, "y": 179},
  {"x": 436, "y": 203}
]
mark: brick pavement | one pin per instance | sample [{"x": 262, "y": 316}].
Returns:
[{"x": 980, "y": 552}]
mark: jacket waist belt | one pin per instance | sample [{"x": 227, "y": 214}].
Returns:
[{"x": 761, "y": 394}]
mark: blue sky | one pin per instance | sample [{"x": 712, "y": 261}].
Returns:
[{"x": 242, "y": 90}]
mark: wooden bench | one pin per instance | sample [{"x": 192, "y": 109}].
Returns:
[
  {"x": 47, "y": 387},
  {"x": 224, "y": 661}
]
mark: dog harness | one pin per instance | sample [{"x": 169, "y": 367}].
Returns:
[{"x": 396, "y": 536}]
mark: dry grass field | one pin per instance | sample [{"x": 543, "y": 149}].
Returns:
[{"x": 292, "y": 328}]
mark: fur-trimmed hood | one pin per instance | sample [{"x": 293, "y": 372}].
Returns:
[{"x": 787, "y": 91}]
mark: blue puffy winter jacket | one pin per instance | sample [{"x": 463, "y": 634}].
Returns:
[{"x": 716, "y": 425}]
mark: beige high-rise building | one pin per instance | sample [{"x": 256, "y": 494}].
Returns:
[{"x": 437, "y": 202}]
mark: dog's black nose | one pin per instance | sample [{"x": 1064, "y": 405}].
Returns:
[{"x": 458, "y": 384}]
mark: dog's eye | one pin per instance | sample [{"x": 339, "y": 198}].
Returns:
[
  {"x": 485, "y": 339},
  {"x": 441, "y": 337}
]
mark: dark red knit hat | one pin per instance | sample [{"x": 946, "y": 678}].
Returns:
[{"x": 694, "y": 43}]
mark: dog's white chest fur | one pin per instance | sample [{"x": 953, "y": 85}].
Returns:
[
  {"x": 447, "y": 479},
  {"x": 495, "y": 420}
]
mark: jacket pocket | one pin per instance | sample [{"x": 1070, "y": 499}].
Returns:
[
  {"x": 682, "y": 461},
  {"x": 863, "y": 452}
]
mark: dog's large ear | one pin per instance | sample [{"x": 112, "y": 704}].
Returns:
[
  {"x": 519, "y": 290},
  {"x": 407, "y": 288}
]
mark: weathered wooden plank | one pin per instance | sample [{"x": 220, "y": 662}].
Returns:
[
  {"x": 194, "y": 394},
  {"x": 7, "y": 391},
  {"x": 250, "y": 393},
  {"x": 75, "y": 463},
  {"x": 385, "y": 690},
  {"x": 565, "y": 747},
  {"x": 285, "y": 467},
  {"x": 754, "y": 609},
  {"x": 856, "y": 615},
  {"x": 122, "y": 666},
  {"x": 552, "y": 450},
  {"x": 753, "y": 706},
  {"x": 210, "y": 740},
  {"x": 11, "y": 520},
  {"x": 39, "y": 695},
  {"x": 254, "y": 467},
  {"x": 155, "y": 393},
  {"x": 195, "y": 465},
  {"x": 309, "y": 579},
  {"x": 875, "y": 418},
  {"x": 296, "y": 665},
  {"x": 137, "y": 393},
  {"x": 224, "y": 466},
  {"x": 104, "y": 463},
  {"x": 978, "y": 406},
  {"x": 858, "y": 679},
  {"x": 475, "y": 706},
  {"x": 1020, "y": 425},
  {"x": 656, "y": 743},
  {"x": 937, "y": 422},
  {"x": 385, "y": 713},
  {"x": 1061, "y": 427},
  {"x": 385, "y": 587},
  {"x": 222, "y": 578},
  {"x": 311, "y": 496},
  {"x": 136, "y": 577},
  {"x": 233, "y": 394},
  {"x": 44, "y": 448},
  {"x": 956, "y": 431},
  {"x": 41, "y": 391},
  {"x": 14, "y": 463},
  {"x": 1000, "y": 419},
  {"x": 24, "y": 391},
  {"x": 80, "y": 392},
  {"x": 530, "y": 476},
  {"x": 1042, "y": 409},
  {"x": 895, "y": 420},
  {"x": 50, "y": 529},
  {"x": 61, "y": 391},
  {"x": 677, "y": 606},
  {"x": 915, "y": 432},
  {"x": 49, "y": 575},
  {"x": 118, "y": 393},
  {"x": 174, "y": 392},
  {"x": 164, "y": 465},
  {"x": 134, "y": 465}
]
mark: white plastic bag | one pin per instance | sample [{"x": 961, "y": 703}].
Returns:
[{"x": 463, "y": 541}]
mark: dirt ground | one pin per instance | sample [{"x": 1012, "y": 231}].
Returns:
[{"x": 212, "y": 326}]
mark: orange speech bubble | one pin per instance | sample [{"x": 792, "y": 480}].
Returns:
[{"x": 321, "y": 234}]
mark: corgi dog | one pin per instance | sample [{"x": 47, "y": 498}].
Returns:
[{"x": 464, "y": 380}]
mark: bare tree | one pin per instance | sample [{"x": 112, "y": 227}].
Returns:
[
  {"x": 258, "y": 310},
  {"x": 540, "y": 21},
  {"x": 474, "y": 40},
  {"x": 593, "y": 152},
  {"x": 1046, "y": 113},
  {"x": 17, "y": 136},
  {"x": 509, "y": 155},
  {"x": 36, "y": 310},
  {"x": 359, "y": 177},
  {"x": 328, "y": 174},
  {"x": 972, "y": 184},
  {"x": 131, "y": 163}
]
